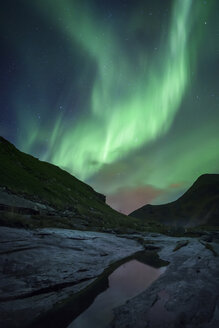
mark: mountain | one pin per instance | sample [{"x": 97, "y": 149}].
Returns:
[
  {"x": 198, "y": 206},
  {"x": 35, "y": 193}
]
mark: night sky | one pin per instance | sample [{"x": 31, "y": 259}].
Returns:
[{"x": 122, "y": 94}]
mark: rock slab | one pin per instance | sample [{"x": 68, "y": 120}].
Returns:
[
  {"x": 39, "y": 268},
  {"x": 186, "y": 295}
]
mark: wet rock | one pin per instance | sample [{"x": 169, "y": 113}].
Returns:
[
  {"x": 207, "y": 238},
  {"x": 186, "y": 295},
  {"x": 150, "y": 247},
  {"x": 19, "y": 210},
  {"x": 18, "y": 204},
  {"x": 180, "y": 244},
  {"x": 43, "y": 267},
  {"x": 103, "y": 254}
]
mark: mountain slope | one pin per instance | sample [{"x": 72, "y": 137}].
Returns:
[
  {"x": 199, "y": 205},
  {"x": 25, "y": 179},
  {"x": 23, "y": 174}
]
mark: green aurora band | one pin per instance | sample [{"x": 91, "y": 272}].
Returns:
[
  {"x": 121, "y": 119},
  {"x": 131, "y": 105}
]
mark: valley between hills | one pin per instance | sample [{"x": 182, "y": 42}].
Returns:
[{"x": 60, "y": 241}]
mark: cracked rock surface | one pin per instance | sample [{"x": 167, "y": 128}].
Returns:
[
  {"x": 186, "y": 295},
  {"x": 39, "y": 268}
]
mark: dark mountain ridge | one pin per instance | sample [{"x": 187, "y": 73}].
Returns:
[
  {"x": 50, "y": 195},
  {"x": 34, "y": 193},
  {"x": 198, "y": 205},
  {"x": 37, "y": 180}
]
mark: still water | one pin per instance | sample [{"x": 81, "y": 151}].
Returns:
[{"x": 125, "y": 282}]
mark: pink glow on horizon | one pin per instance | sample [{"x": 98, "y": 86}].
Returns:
[{"x": 126, "y": 201}]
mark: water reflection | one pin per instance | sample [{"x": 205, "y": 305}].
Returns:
[{"x": 125, "y": 282}]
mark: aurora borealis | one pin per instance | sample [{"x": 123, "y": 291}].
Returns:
[{"x": 122, "y": 94}]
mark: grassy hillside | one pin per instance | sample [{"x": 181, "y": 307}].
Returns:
[
  {"x": 41, "y": 182},
  {"x": 25, "y": 175},
  {"x": 198, "y": 206},
  {"x": 77, "y": 205}
]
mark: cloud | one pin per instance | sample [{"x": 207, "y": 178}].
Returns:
[{"x": 128, "y": 200}]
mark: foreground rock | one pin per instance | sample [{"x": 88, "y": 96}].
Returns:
[
  {"x": 42, "y": 267},
  {"x": 187, "y": 295},
  {"x": 14, "y": 202}
]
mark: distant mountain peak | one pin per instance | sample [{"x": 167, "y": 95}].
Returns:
[{"x": 198, "y": 205}]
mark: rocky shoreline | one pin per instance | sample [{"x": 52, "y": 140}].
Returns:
[
  {"x": 187, "y": 295},
  {"x": 43, "y": 268},
  {"x": 40, "y": 268}
]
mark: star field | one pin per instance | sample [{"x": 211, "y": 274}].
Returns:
[{"x": 122, "y": 94}]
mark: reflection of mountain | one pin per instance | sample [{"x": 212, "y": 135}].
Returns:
[
  {"x": 199, "y": 205},
  {"x": 49, "y": 195}
]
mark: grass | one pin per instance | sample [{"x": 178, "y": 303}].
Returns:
[
  {"x": 14, "y": 220},
  {"x": 36, "y": 180},
  {"x": 41, "y": 182},
  {"x": 26, "y": 176}
]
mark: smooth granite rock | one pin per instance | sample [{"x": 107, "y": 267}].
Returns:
[
  {"x": 186, "y": 295},
  {"x": 42, "y": 267},
  {"x": 14, "y": 201}
]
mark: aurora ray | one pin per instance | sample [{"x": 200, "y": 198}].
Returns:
[
  {"x": 122, "y": 94},
  {"x": 120, "y": 119}
]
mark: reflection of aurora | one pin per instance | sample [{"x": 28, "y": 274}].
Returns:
[{"x": 128, "y": 132}]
